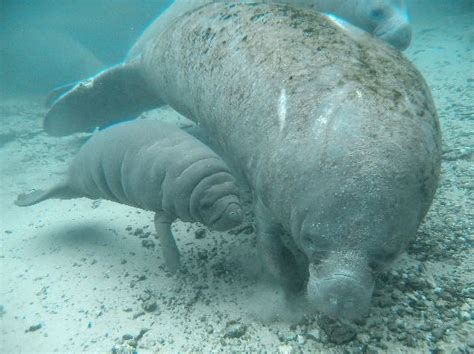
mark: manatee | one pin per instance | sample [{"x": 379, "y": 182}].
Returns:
[
  {"x": 152, "y": 166},
  {"x": 385, "y": 19},
  {"x": 335, "y": 134}
]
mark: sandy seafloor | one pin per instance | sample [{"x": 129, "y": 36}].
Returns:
[{"x": 87, "y": 276}]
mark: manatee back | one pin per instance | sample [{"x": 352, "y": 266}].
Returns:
[
  {"x": 176, "y": 9},
  {"x": 99, "y": 168}
]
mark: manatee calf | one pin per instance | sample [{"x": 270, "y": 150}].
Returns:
[
  {"x": 157, "y": 167},
  {"x": 337, "y": 135}
]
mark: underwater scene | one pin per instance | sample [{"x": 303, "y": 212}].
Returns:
[{"x": 272, "y": 176}]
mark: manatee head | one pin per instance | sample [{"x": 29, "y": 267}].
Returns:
[
  {"x": 220, "y": 207},
  {"x": 356, "y": 230},
  {"x": 389, "y": 21}
]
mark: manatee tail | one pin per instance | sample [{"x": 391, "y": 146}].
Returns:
[
  {"x": 118, "y": 93},
  {"x": 60, "y": 191}
]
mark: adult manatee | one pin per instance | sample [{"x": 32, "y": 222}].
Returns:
[{"x": 336, "y": 134}]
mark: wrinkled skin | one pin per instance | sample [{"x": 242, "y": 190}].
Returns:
[
  {"x": 336, "y": 134},
  {"x": 157, "y": 167}
]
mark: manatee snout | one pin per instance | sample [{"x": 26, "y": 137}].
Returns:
[
  {"x": 223, "y": 214},
  {"x": 340, "y": 288}
]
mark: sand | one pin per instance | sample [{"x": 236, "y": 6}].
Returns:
[{"x": 87, "y": 276}]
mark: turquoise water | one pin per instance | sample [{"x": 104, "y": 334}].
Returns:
[{"x": 86, "y": 276}]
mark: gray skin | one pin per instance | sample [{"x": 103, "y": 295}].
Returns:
[
  {"x": 336, "y": 134},
  {"x": 152, "y": 166},
  {"x": 385, "y": 19}
]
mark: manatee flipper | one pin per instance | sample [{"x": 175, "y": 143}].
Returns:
[
  {"x": 57, "y": 92},
  {"x": 59, "y": 191},
  {"x": 118, "y": 93},
  {"x": 168, "y": 244},
  {"x": 278, "y": 259}
]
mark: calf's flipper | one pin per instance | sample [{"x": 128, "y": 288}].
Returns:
[
  {"x": 168, "y": 244},
  {"x": 278, "y": 259}
]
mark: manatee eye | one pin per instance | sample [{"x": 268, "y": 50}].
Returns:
[{"x": 377, "y": 13}]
